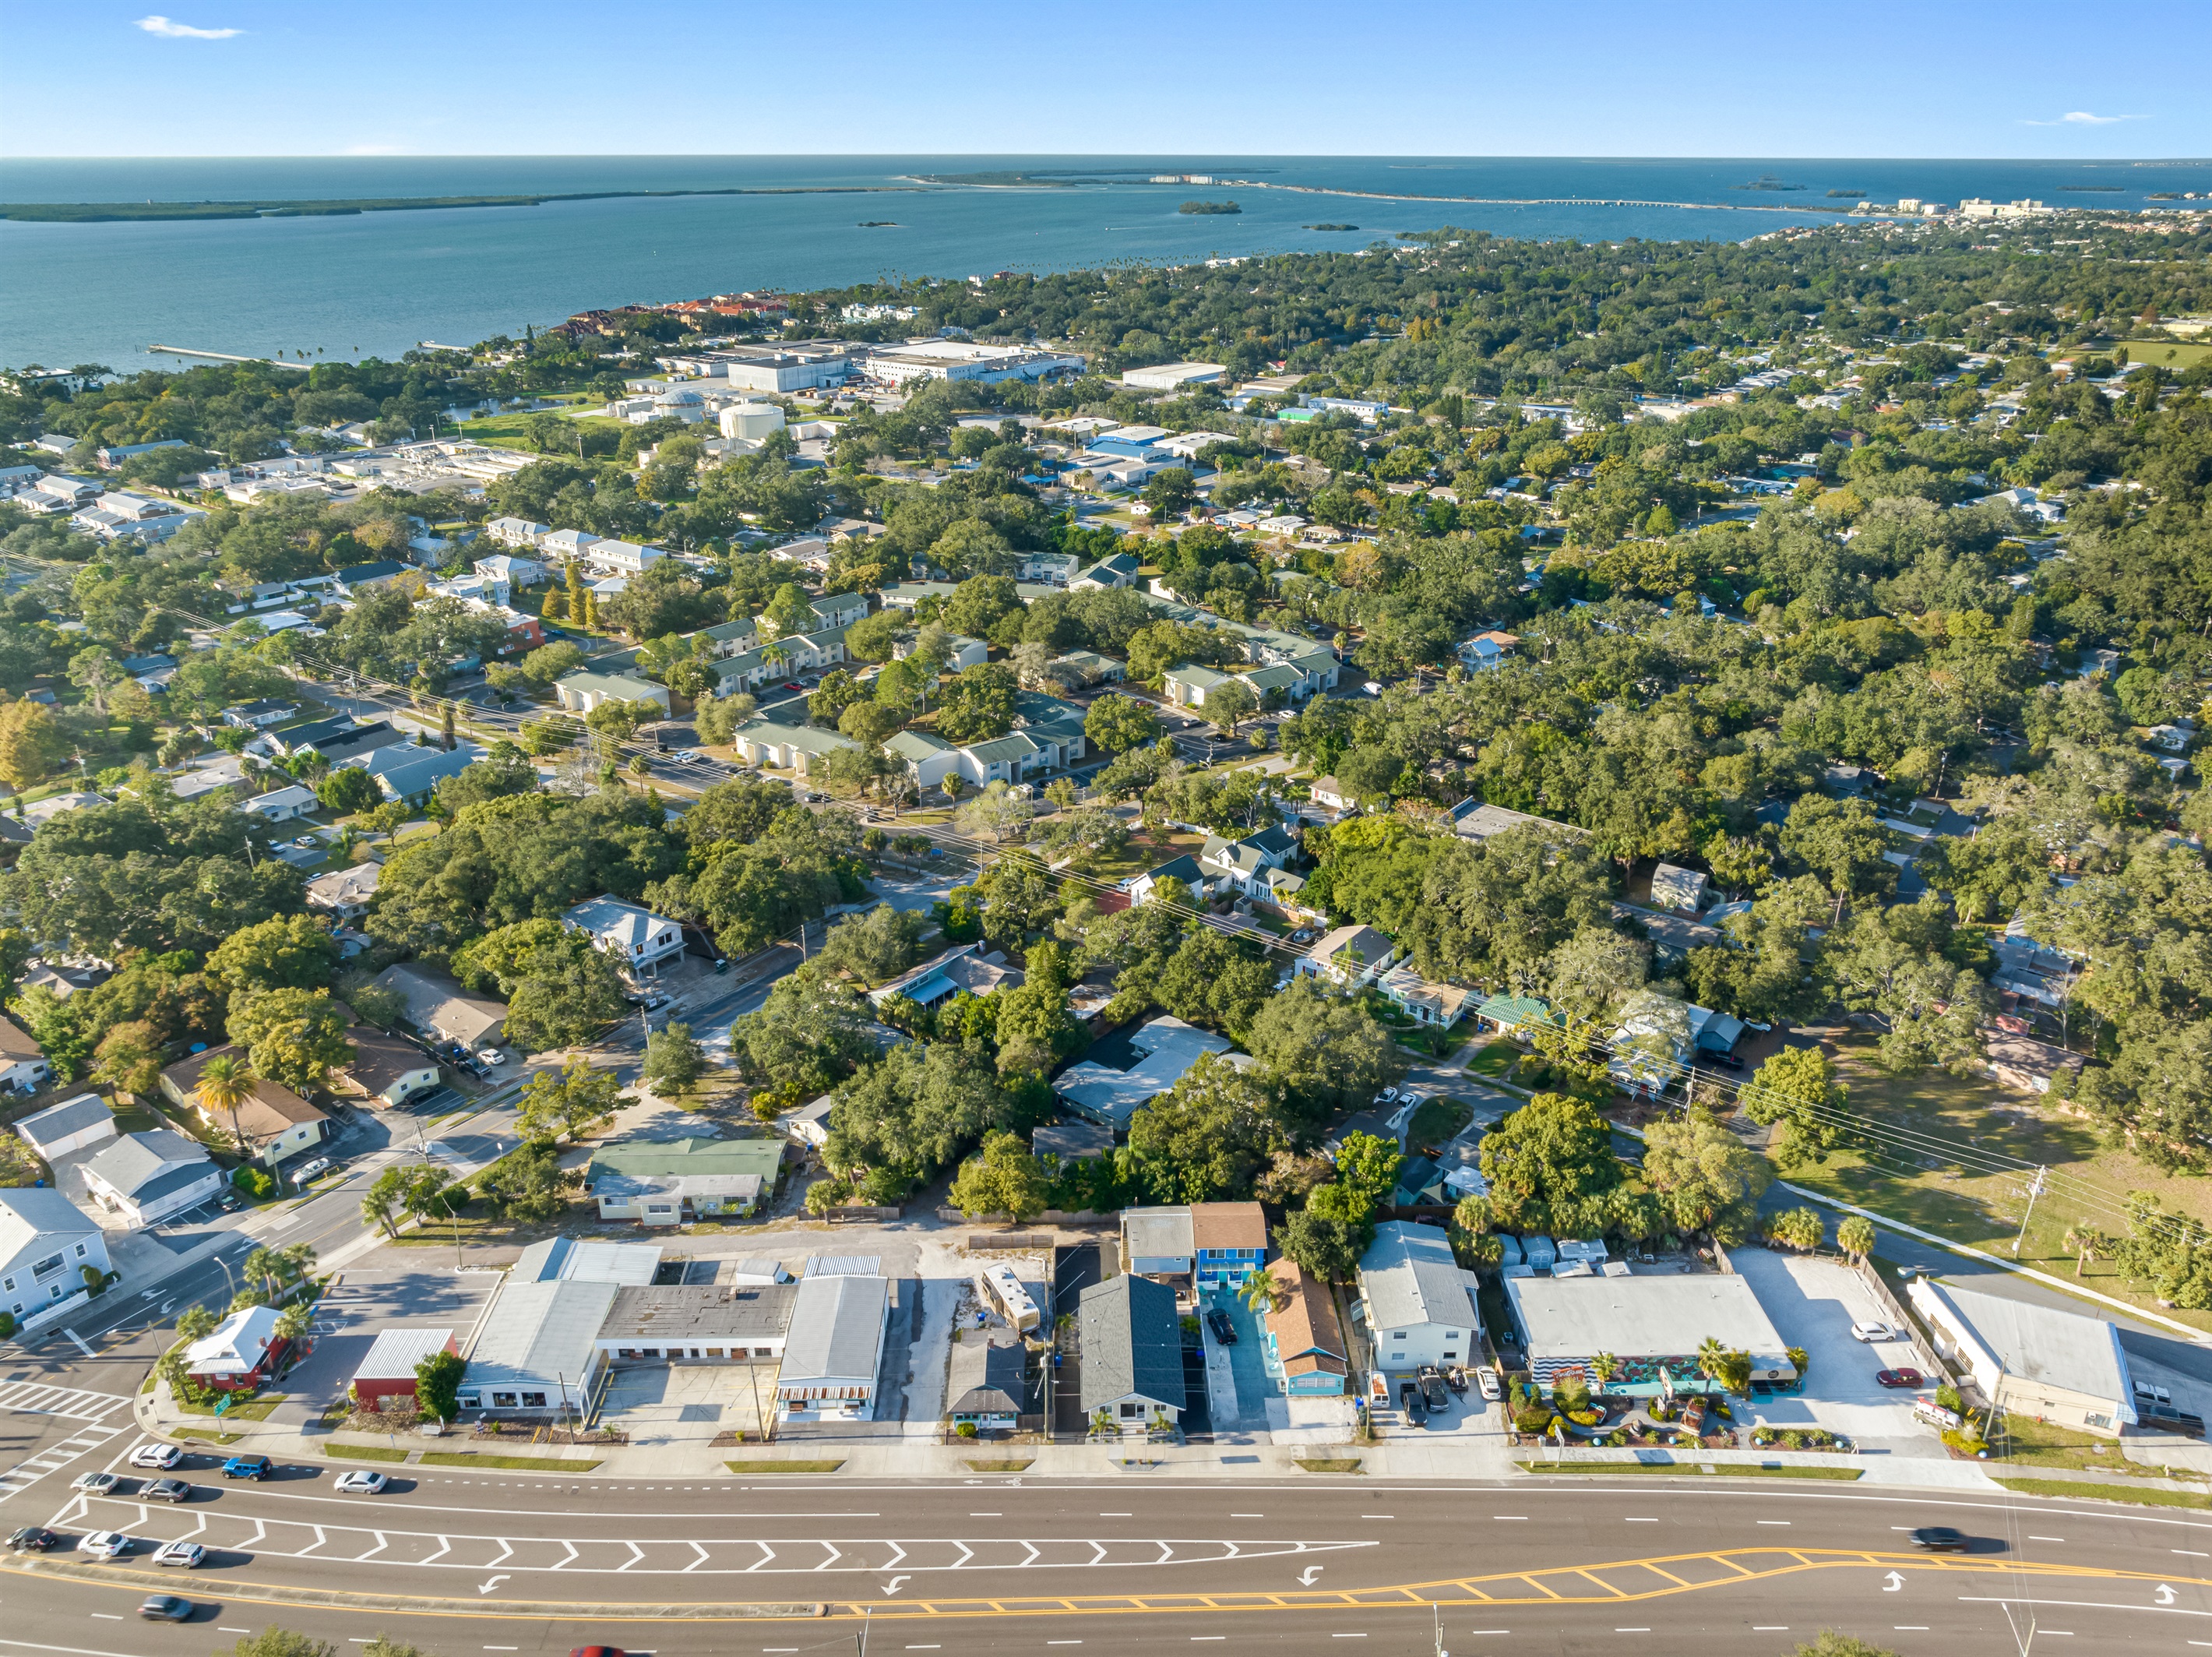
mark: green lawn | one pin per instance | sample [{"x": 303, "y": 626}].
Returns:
[
  {"x": 366, "y": 1453},
  {"x": 1965, "y": 1202},
  {"x": 2074, "y": 1489},
  {"x": 2024, "y": 1441},
  {"x": 256, "y": 1409},
  {"x": 506, "y": 1464},
  {"x": 1437, "y": 1121},
  {"x": 785, "y": 1467},
  {"x": 2177, "y": 354},
  {"x": 1496, "y": 1060},
  {"x": 508, "y": 430},
  {"x": 1331, "y": 1464}
]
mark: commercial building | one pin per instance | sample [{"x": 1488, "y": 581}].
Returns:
[
  {"x": 47, "y": 1241},
  {"x": 535, "y": 1351},
  {"x": 1416, "y": 1299},
  {"x": 698, "y": 1323},
  {"x": 1169, "y": 376},
  {"x": 144, "y": 1178},
  {"x": 387, "y": 1368},
  {"x": 1305, "y": 1351},
  {"x": 1132, "y": 1345},
  {"x": 241, "y": 1353},
  {"x": 1652, "y": 1325},
  {"x": 962, "y": 359},
  {"x": 798, "y": 367},
  {"x": 69, "y": 1126},
  {"x": 572, "y": 1260},
  {"x": 2032, "y": 1359},
  {"x": 834, "y": 1348}
]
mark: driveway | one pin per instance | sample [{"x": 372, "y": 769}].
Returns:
[
  {"x": 361, "y": 1306},
  {"x": 1812, "y": 1304},
  {"x": 688, "y": 1403}
]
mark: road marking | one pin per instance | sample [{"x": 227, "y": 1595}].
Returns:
[
  {"x": 1132, "y": 1515},
  {"x": 2046, "y": 1538},
  {"x": 2190, "y": 1553},
  {"x": 1233, "y": 1515},
  {"x": 81, "y": 1346},
  {"x": 1639, "y": 1522},
  {"x": 1378, "y": 1515},
  {"x": 1631, "y": 1630},
  {"x": 1774, "y": 1521},
  {"x": 1347, "y": 1636},
  {"x": 1002, "y": 1515},
  {"x": 2080, "y": 1605},
  {"x": 1516, "y": 1518}
]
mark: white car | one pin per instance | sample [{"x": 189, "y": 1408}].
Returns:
[
  {"x": 105, "y": 1545},
  {"x": 164, "y": 1456},
  {"x": 94, "y": 1484},
  {"x": 491, "y": 1056},
  {"x": 186, "y": 1555},
  {"x": 360, "y": 1482},
  {"x": 1387, "y": 1096},
  {"x": 1485, "y": 1379},
  {"x": 306, "y": 1173},
  {"x": 1871, "y": 1331}
]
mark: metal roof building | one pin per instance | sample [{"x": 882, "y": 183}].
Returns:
[
  {"x": 834, "y": 1347},
  {"x": 537, "y": 1352}
]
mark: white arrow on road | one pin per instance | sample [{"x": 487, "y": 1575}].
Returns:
[
  {"x": 2165, "y": 1594},
  {"x": 1306, "y": 1576},
  {"x": 1896, "y": 1583},
  {"x": 892, "y": 1586},
  {"x": 489, "y": 1586}
]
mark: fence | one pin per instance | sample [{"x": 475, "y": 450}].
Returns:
[
  {"x": 1009, "y": 1242},
  {"x": 849, "y": 1211}
]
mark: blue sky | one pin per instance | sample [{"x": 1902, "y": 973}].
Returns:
[{"x": 2025, "y": 78}]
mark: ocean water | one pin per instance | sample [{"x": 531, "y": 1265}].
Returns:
[{"x": 381, "y": 283}]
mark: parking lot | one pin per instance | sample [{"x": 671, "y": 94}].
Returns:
[
  {"x": 688, "y": 1403},
  {"x": 360, "y": 1306}
]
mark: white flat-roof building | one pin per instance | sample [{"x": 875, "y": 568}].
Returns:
[
  {"x": 1167, "y": 376},
  {"x": 1649, "y": 1324},
  {"x": 965, "y": 359},
  {"x": 2062, "y": 1367}
]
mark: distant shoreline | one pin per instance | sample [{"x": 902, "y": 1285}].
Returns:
[{"x": 111, "y": 212}]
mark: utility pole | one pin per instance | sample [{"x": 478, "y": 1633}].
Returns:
[{"x": 2034, "y": 1190}]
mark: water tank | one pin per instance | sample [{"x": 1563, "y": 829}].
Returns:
[{"x": 751, "y": 420}]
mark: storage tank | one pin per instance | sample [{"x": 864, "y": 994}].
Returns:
[{"x": 751, "y": 420}]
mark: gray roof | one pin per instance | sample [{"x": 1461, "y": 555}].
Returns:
[
  {"x": 1131, "y": 1343},
  {"x": 1171, "y": 1047},
  {"x": 540, "y": 1332},
  {"x": 985, "y": 1378},
  {"x": 2068, "y": 1349},
  {"x": 1638, "y": 1317},
  {"x": 836, "y": 1331},
  {"x": 30, "y": 1214},
  {"x": 1409, "y": 1278},
  {"x": 1072, "y": 1142},
  {"x": 59, "y": 1122},
  {"x": 569, "y": 1259},
  {"x": 1161, "y": 1234},
  {"x": 843, "y": 1265},
  {"x": 143, "y": 1165},
  {"x": 691, "y": 1314}
]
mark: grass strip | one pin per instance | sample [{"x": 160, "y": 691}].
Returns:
[
  {"x": 1721, "y": 1470},
  {"x": 2077, "y": 1490},
  {"x": 508, "y": 1463},
  {"x": 789, "y": 1466},
  {"x": 364, "y": 1452},
  {"x": 1331, "y": 1464},
  {"x": 999, "y": 1466},
  {"x": 205, "y": 1435}
]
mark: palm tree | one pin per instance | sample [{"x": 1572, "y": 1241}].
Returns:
[
  {"x": 1605, "y": 1366},
  {"x": 262, "y": 1264},
  {"x": 294, "y": 1321},
  {"x": 1262, "y": 1292},
  {"x": 226, "y": 1084},
  {"x": 2086, "y": 1243},
  {"x": 1712, "y": 1358},
  {"x": 195, "y": 1323}
]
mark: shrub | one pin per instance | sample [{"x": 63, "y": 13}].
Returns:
[
  {"x": 1535, "y": 1420},
  {"x": 256, "y": 1182},
  {"x": 1946, "y": 1398},
  {"x": 966, "y": 1430},
  {"x": 1966, "y": 1441}
]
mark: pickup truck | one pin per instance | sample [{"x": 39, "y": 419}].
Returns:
[{"x": 1433, "y": 1391}]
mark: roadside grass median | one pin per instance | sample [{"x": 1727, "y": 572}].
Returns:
[
  {"x": 2074, "y": 1489},
  {"x": 997, "y": 1466},
  {"x": 205, "y": 1435},
  {"x": 788, "y": 1466},
  {"x": 365, "y": 1452},
  {"x": 1718, "y": 1469},
  {"x": 1329, "y": 1464},
  {"x": 506, "y": 1464}
]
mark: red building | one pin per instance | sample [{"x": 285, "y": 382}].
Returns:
[{"x": 388, "y": 1370}]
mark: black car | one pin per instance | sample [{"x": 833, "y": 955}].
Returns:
[
  {"x": 1941, "y": 1538},
  {"x": 1224, "y": 1330},
  {"x": 1409, "y": 1401},
  {"x": 1433, "y": 1392},
  {"x": 164, "y": 1490},
  {"x": 35, "y": 1537},
  {"x": 167, "y": 1608}
]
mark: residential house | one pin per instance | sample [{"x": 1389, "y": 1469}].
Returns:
[
  {"x": 1051, "y": 569},
  {"x": 387, "y": 1070},
  {"x": 632, "y": 934},
  {"x": 1416, "y": 1299},
  {"x": 535, "y": 1351},
  {"x": 344, "y": 893},
  {"x": 286, "y": 805},
  {"x": 516, "y": 532},
  {"x": 987, "y": 1383},
  {"x": 1088, "y": 668},
  {"x": 145, "y": 1177},
  {"x": 1659, "y": 1039},
  {"x": 243, "y": 1352},
  {"x": 1230, "y": 1242},
  {"x": 1515, "y": 1016},
  {"x": 834, "y": 1349},
  {"x": 274, "y": 1121},
  {"x": 437, "y": 1005},
  {"x": 619, "y": 557},
  {"x": 23, "y": 1067},
  {"x": 1652, "y": 1325},
  {"x": 675, "y": 1182},
  {"x": 342, "y": 742},
  {"x": 1304, "y": 1349},
  {"x": 1118, "y": 569},
  {"x": 1168, "y": 1048},
  {"x": 1330, "y": 794},
  {"x": 1440, "y": 1006},
  {"x": 46, "y": 1242},
  {"x": 259, "y": 715},
  {"x": 582, "y": 692},
  {"x": 1486, "y": 650},
  {"x": 1347, "y": 957},
  {"x": 1072, "y": 1142},
  {"x": 356, "y": 579},
  {"x": 774, "y": 660},
  {"x": 1132, "y": 1344},
  {"x": 795, "y": 747},
  {"x": 808, "y": 1124},
  {"x": 1473, "y": 819},
  {"x": 1682, "y": 890},
  {"x": 1246, "y": 863},
  {"x": 966, "y": 652},
  {"x": 1161, "y": 1244},
  {"x": 387, "y": 1371},
  {"x": 71, "y": 1125},
  {"x": 970, "y": 967},
  {"x": 565, "y": 546},
  {"x": 412, "y": 773},
  {"x": 2065, "y": 1368}
]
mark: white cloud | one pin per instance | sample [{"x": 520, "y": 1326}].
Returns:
[
  {"x": 2083, "y": 118},
  {"x": 169, "y": 28}
]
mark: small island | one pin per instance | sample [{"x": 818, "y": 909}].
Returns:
[
  {"x": 878, "y": 224},
  {"x": 1331, "y": 227},
  {"x": 1209, "y": 207}
]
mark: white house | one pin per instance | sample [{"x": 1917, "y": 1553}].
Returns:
[
  {"x": 633, "y": 936},
  {"x": 796, "y": 748},
  {"x": 566, "y": 545},
  {"x": 1348, "y": 957},
  {"x": 69, "y": 1126},
  {"x": 283, "y": 805},
  {"x": 23, "y": 1068},
  {"x": 834, "y": 1348},
  {"x": 144, "y": 1178},
  {"x": 1416, "y": 1299},
  {"x": 623, "y": 558},
  {"x": 516, "y": 532},
  {"x": 46, "y": 1243},
  {"x": 344, "y": 893}
]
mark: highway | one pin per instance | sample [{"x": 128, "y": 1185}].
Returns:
[{"x": 470, "y": 1563}]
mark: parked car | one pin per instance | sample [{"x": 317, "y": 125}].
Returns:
[
  {"x": 1941, "y": 1539},
  {"x": 32, "y": 1538},
  {"x": 1870, "y": 1331},
  {"x": 1487, "y": 1382},
  {"x": 1434, "y": 1393},
  {"x": 307, "y": 1171},
  {"x": 596, "y": 1651},
  {"x": 1218, "y": 1321},
  {"x": 104, "y": 1545},
  {"x": 1726, "y": 1061},
  {"x": 164, "y": 1456},
  {"x": 1455, "y": 1378},
  {"x": 360, "y": 1482},
  {"x": 184, "y": 1556},
  {"x": 1900, "y": 1378},
  {"x": 1387, "y": 1096},
  {"x": 255, "y": 1467},
  {"x": 1409, "y": 1403},
  {"x": 164, "y": 1490},
  {"x": 94, "y": 1484},
  {"x": 792, "y": 685},
  {"x": 167, "y": 1608}
]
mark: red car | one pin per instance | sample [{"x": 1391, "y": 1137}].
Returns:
[
  {"x": 792, "y": 685},
  {"x": 1900, "y": 1378}
]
